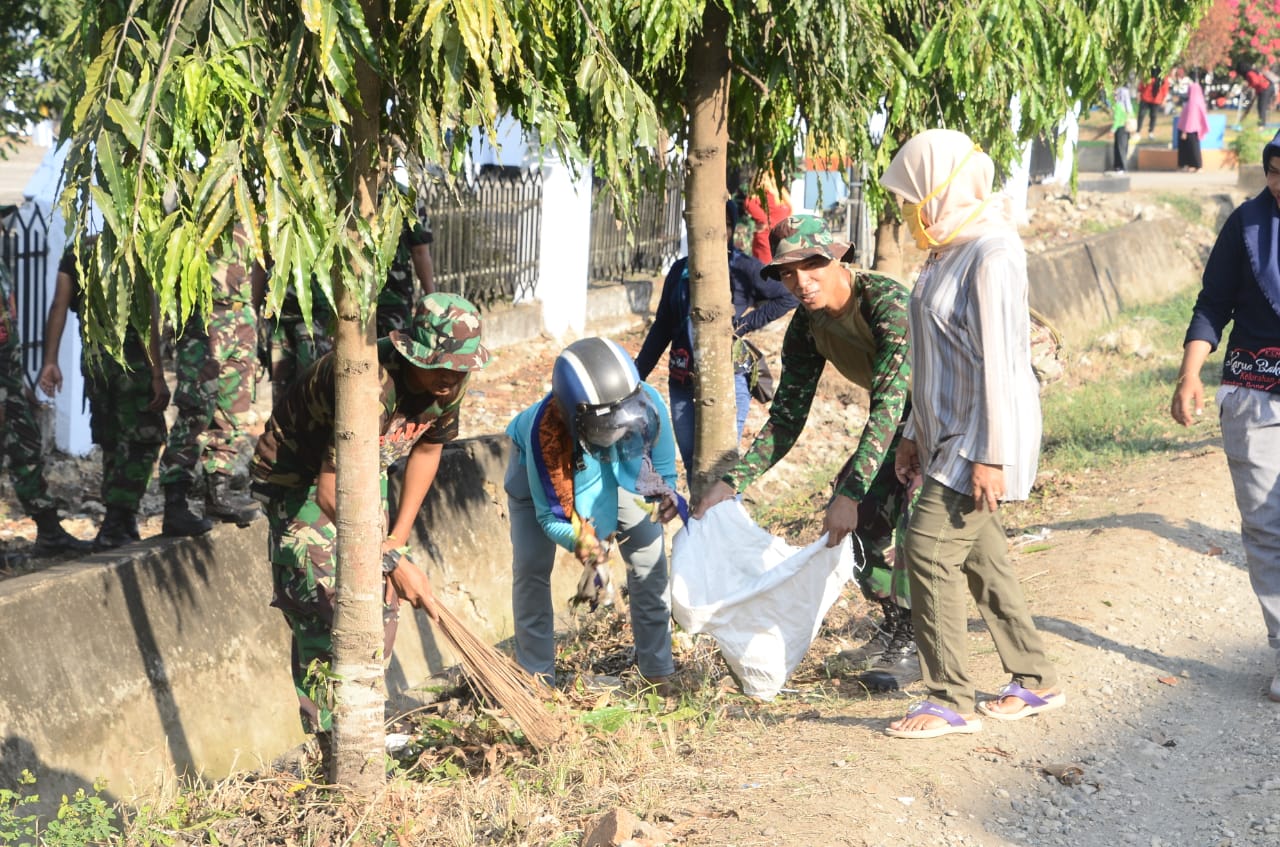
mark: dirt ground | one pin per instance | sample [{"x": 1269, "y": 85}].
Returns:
[{"x": 1136, "y": 578}]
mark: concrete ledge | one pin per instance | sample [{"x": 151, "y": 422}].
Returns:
[
  {"x": 1083, "y": 285},
  {"x": 165, "y": 658}
]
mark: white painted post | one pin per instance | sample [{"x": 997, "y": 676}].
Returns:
[{"x": 564, "y": 249}]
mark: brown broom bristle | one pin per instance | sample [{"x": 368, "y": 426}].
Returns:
[{"x": 496, "y": 678}]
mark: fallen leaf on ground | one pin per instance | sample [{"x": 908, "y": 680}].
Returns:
[{"x": 1167, "y": 680}]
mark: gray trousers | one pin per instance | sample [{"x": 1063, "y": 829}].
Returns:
[
  {"x": 1251, "y": 438},
  {"x": 643, "y": 549},
  {"x": 949, "y": 544}
]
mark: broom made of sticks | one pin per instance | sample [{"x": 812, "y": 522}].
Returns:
[{"x": 498, "y": 680}]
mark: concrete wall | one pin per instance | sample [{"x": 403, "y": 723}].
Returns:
[
  {"x": 1082, "y": 285},
  {"x": 166, "y": 658}
]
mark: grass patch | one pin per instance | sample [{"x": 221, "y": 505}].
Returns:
[
  {"x": 1114, "y": 406},
  {"x": 1186, "y": 206}
]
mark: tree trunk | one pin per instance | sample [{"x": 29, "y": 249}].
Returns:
[
  {"x": 359, "y": 748},
  {"x": 888, "y": 256},
  {"x": 707, "y": 102}
]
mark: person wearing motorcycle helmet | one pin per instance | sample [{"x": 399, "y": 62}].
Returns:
[{"x": 587, "y": 457}]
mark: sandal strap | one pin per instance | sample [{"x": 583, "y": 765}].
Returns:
[
  {"x": 928, "y": 707},
  {"x": 1013, "y": 689}
]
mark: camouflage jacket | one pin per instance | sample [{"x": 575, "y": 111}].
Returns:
[
  {"x": 883, "y": 368},
  {"x": 299, "y": 437}
]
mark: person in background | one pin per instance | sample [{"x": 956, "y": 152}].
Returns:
[
  {"x": 972, "y": 436},
  {"x": 1263, "y": 84},
  {"x": 423, "y": 373},
  {"x": 1122, "y": 122},
  {"x": 216, "y": 372},
  {"x": 857, "y": 321},
  {"x": 289, "y": 344},
  {"x": 1242, "y": 286},
  {"x": 126, "y": 404},
  {"x": 1193, "y": 125},
  {"x": 756, "y": 302},
  {"x": 21, "y": 440},
  {"x": 1151, "y": 97},
  {"x": 411, "y": 275},
  {"x": 766, "y": 206},
  {"x": 587, "y": 457}
]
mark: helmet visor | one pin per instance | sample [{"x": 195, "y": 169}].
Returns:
[{"x": 619, "y": 431}]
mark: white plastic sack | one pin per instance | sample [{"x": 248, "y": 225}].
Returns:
[{"x": 760, "y": 598}]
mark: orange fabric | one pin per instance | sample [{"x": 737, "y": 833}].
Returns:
[
  {"x": 557, "y": 455},
  {"x": 1150, "y": 93}
]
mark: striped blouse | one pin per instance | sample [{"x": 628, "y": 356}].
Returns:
[{"x": 975, "y": 397}]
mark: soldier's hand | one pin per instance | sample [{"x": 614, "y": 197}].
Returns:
[
  {"x": 159, "y": 394},
  {"x": 50, "y": 381},
  {"x": 717, "y": 493},
  {"x": 841, "y": 519},
  {"x": 414, "y": 588}
]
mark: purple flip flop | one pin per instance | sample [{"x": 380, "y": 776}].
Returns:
[
  {"x": 955, "y": 723},
  {"x": 1034, "y": 703}
]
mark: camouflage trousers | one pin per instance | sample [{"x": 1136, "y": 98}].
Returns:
[
  {"x": 301, "y": 542},
  {"x": 20, "y": 432},
  {"x": 216, "y": 371},
  {"x": 295, "y": 346},
  {"x": 129, "y": 435},
  {"x": 392, "y": 314},
  {"x": 882, "y": 524}
]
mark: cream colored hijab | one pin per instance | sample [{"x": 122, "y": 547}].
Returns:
[{"x": 966, "y": 207}]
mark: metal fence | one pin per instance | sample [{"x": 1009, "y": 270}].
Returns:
[
  {"x": 24, "y": 250},
  {"x": 486, "y": 233},
  {"x": 654, "y": 242}
]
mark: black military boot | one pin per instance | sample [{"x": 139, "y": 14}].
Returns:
[
  {"x": 179, "y": 520},
  {"x": 899, "y": 664},
  {"x": 879, "y": 641},
  {"x": 119, "y": 527},
  {"x": 52, "y": 538},
  {"x": 220, "y": 504}
]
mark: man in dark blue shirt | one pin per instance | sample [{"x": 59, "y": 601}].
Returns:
[{"x": 756, "y": 301}]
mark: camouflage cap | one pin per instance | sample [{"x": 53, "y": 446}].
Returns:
[
  {"x": 799, "y": 237},
  {"x": 445, "y": 334}
]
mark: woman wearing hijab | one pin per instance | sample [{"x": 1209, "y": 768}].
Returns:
[
  {"x": 973, "y": 434},
  {"x": 1122, "y": 124},
  {"x": 1193, "y": 125},
  {"x": 1242, "y": 286}
]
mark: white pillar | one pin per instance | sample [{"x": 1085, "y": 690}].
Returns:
[{"x": 564, "y": 249}]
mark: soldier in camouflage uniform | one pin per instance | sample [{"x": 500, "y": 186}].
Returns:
[
  {"x": 412, "y": 261},
  {"x": 856, "y": 320},
  {"x": 423, "y": 373},
  {"x": 126, "y": 407},
  {"x": 21, "y": 435},
  {"x": 216, "y": 369},
  {"x": 293, "y": 343}
]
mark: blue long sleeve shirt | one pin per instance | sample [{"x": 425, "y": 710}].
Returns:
[{"x": 596, "y": 485}]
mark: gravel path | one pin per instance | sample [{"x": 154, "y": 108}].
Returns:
[{"x": 1167, "y": 739}]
